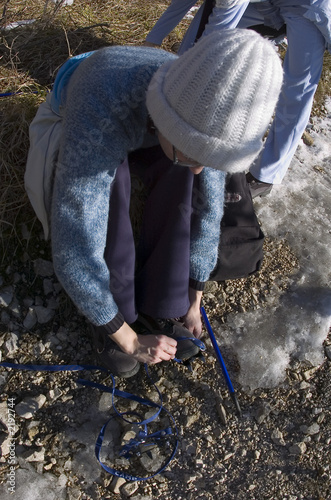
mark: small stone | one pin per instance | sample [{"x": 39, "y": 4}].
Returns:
[
  {"x": 73, "y": 493},
  {"x": 15, "y": 308},
  {"x": 105, "y": 401},
  {"x": 68, "y": 464},
  {"x": 6, "y": 296},
  {"x": 328, "y": 352},
  {"x": 30, "y": 319},
  {"x": 3, "y": 376},
  {"x": 311, "y": 429},
  {"x": 43, "y": 268},
  {"x": 116, "y": 484},
  {"x": 52, "y": 340},
  {"x": 33, "y": 430},
  {"x": 189, "y": 448},
  {"x": 129, "y": 489},
  {"x": 52, "y": 303},
  {"x": 221, "y": 411},
  {"x": 34, "y": 455},
  {"x": 262, "y": 412},
  {"x": 11, "y": 344},
  {"x": 189, "y": 477},
  {"x": 48, "y": 466},
  {"x": 304, "y": 385},
  {"x": 4, "y": 414},
  {"x": 298, "y": 448},
  {"x": 54, "y": 393},
  {"x": 277, "y": 437},
  {"x": 309, "y": 373},
  {"x": 307, "y": 138},
  {"x": 191, "y": 419},
  {"x": 152, "y": 461},
  {"x": 5, "y": 318},
  {"x": 48, "y": 286},
  {"x": 44, "y": 315},
  {"x": 320, "y": 418},
  {"x": 38, "y": 349},
  {"x": 62, "y": 480},
  {"x": 28, "y": 407},
  {"x": 127, "y": 436},
  {"x": 38, "y": 301},
  {"x": 62, "y": 334},
  {"x": 5, "y": 446}
]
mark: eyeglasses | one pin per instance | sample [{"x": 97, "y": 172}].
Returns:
[{"x": 188, "y": 163}]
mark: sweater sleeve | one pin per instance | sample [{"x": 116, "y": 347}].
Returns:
[
  {"x": 105, "y": 117},
  {"x": 100, "y": 126},
  {"x": 208, "y": 205},
  {"x": 169, "y": 20}
]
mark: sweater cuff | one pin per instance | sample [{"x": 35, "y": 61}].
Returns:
[
  {"x": 197, "y": 285},
  {"x": 113, "y": 325}
]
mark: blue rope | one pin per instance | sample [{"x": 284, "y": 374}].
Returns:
[
  {"x": 142, "y": 439},
  {"x": 19, "y": 92}
]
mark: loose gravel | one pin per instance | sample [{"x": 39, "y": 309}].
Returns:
[{"x": 278, "y": 449}]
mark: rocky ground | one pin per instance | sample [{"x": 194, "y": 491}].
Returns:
[{"x": 278, "y": 449}]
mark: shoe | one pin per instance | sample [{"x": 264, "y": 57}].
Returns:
[
  {"x": 186, "y": 349},
  {"x": 256, "y": 187},
  {"x": 111, "y": 356}
]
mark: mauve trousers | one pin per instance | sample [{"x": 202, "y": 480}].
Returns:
[{"x": 154, "y": 277}]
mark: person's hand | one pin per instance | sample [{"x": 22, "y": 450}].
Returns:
[
  {"x": 192, "y": 319},
  {"x": 149, "y": 349},
  {"x": 153, "y": 349}
]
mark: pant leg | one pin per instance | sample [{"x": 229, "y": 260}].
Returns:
[
  {"x": 191, "y": 33},
  {"x": 225, "y": 18},
  {"x": 120, "y": 248},
  {"x": 302, "y": 70},
  {"x": 163, "y": 255},
  {"x": 251, "y": 17},
  {"x": 160, "y": 287},
  {"x": 219, "y": 19}
]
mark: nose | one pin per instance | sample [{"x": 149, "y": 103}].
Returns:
[{"x": 196, "y": 170}]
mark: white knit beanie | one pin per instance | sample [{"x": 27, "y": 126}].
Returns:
[{"x": 214, "y": 103}]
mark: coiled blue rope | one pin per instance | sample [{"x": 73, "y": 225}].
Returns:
[{"x": 135, "y": 446}]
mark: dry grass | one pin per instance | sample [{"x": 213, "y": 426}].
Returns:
[
  {"x": 324, "y": 87},
  {"x": 31, "y": 55}
]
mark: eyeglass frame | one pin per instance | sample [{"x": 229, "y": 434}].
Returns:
[{"x": 180, "y": 163}]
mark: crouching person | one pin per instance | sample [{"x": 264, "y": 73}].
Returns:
[{"x": 208, "y": 110}]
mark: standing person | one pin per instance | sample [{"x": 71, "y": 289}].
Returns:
[
  {"x": 308, "y": 28},
  {"x": 108, "y": 101},
  {"x": 219, "y": 19},
  {"x": 308, "y": 32}
]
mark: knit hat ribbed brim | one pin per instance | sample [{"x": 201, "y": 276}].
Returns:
[{"x": 215, "y": 102}]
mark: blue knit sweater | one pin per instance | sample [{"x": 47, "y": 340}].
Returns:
[{"x": 105, "y": 117}]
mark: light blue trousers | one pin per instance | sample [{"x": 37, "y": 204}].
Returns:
[{"x": 302, "y": 70}]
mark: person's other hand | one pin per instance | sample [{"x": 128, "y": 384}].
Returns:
[
  {"x": 149, "y": 349},
  {"x": 192, "y": 319}
]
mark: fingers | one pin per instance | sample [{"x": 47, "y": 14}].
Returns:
[
  {"x": 153, "y": 349},
  {"x": 194, "y": 325},
  {"x": 164, "y": 349}
]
